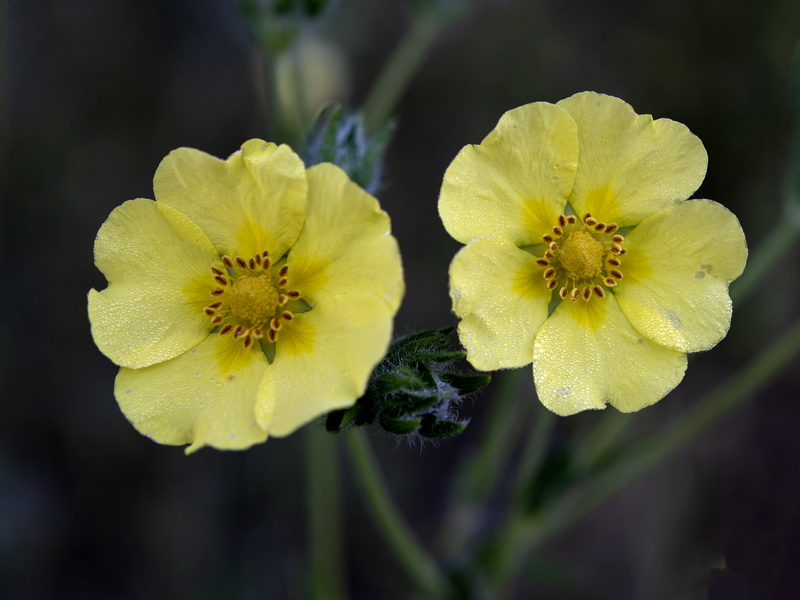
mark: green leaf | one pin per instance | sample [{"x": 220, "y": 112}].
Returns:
[
  {"x": 399, "y": 426},
  {"x": 434, "y": 428},
  {"x": 467, "y": 384}
]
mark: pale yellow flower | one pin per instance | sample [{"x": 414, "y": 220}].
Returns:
[
  {"x": 583, "y": 256},
  {"x": 250, "y": 298}
]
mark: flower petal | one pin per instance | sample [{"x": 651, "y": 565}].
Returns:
[
  {"x": 516, "y": 182},
  {"x": 587, "y": 354},
  {"x": 630, "y": 166},
  {"x": 204, "y": 397},
  {"x": 347, "y": 266},
  {"x": 158, "y": 265},
  {"x": 323, "y": 359},
  {"x": 346, "y": 246},
  {"x": 677, "y": 270},
  {"x": 500, "y": 295},
  {"x": 252, "y": 202}
]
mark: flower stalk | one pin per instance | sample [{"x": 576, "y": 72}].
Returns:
[
  {"x": 324, "y": 517},
  {"x": 409, "y": 551}
]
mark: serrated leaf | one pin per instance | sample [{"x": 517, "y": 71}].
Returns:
[
  {"x": 466, "y": 384},
  {"x": 399, "y": 380},
  {"x": 436, "y": 428},
  {"x": 399, "y": 426},
  {"x": 445, "y": 356},
  {"x": 409, "y": 404}
]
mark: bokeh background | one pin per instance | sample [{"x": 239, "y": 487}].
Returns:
[{"x": 95, "y": 93}]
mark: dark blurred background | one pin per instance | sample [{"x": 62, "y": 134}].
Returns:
[{"x": 95, "y": 93}]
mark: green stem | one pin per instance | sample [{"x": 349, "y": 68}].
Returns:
[
  {"x": 604, "y": 436},
  {"x": 532, "y": 456},
  {"x": 420, "y": 566},
  {"x": 765, "y": 258},
  {"x": 527, "y": 471},
  {"x": 505, "y": 425},
  {"x": 398, "y": 72},
  {"x": 324, "y": 517},
  {"x": 532, "y": 531},
  {"x": 261, "y": 75},
  {"x": 478, "y": 477}
]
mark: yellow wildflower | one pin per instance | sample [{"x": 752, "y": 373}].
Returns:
[
  {"x": 251, "y": 297},
  {"x": 583, "y": 255}
]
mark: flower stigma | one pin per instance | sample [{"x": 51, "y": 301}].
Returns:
[
  {"x": 586, "y": 261},
  {"x": 249, "y": 302}
]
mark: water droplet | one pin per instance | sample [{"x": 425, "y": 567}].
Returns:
[
  {"x": 699, "y": 275},
  {"x": 197, "y": 374},
  {"x": 201, "y": 405}
]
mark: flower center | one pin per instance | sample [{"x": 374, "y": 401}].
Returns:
[
  {"x": 253, "y": 299},
  {"x": 582, "y": 255},
  {"x": 248, "y": 301},
  {"x": 577, "y": 264}
]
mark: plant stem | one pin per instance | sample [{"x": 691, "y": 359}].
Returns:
[
  {"x": 603, "y": 437},
  {"x": 478, "y": 477},
  {"x": 420, "y": 566},
  {"x": 528, "y": 469},
  {"x": 505, "y": 425},
  {"x": 532, "y": 531},
  {"x": 532, "y": 456},
  {"x": 324, "y": 517},
  {"x": 398, "y": 72}
]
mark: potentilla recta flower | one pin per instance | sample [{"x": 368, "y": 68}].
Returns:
[
  {"x": 252, "y": 296},
  {"x": 583, "y": 255}
]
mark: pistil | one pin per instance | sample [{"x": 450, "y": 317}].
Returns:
[{"x": 248, "y": 302}]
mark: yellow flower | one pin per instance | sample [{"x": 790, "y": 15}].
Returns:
[
  {"x": 583, "y": 255},
  {"x": 251, "y": 297}
]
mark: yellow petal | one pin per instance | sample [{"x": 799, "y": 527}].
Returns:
[
  {"x": 630, "y": 166},
  {"x": 516, "y": 182},
  {"x": 252, "y": 202},
  {"x": 347, "y": 266},
  {"x": 200, "y": 398},
  {"x": 323, "y": 359},
  {"x": 500, "y": 295},
  {"x": 677, "y": 270},
  {"x": 346, "y": 247},
  {"x": 588, "y": 354},
  {"x": 158, "y": 265}
]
